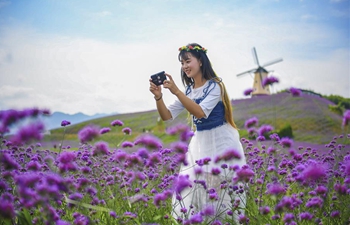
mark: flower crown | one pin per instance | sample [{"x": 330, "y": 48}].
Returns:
[{"x": 189, "y": 48}]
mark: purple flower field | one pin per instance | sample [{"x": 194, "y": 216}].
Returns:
[{"x": 284, "y": 182}]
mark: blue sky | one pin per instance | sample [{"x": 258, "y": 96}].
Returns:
[{"x": 96, "y": 56}]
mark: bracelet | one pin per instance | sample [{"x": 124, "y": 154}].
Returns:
[{"x": 157, "y": 99}]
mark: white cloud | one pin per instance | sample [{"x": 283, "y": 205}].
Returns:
[{"x": 76, "y": 74}]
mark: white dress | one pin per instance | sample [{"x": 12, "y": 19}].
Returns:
[{"x": 207, "y": 143}]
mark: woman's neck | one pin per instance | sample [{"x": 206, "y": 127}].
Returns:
[{"x": 199, "y": 82}]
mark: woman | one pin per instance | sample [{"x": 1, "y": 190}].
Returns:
[{"x": 206, "y": 99}]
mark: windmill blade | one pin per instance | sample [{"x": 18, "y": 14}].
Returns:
[
  {"x": 273, "y": 62},
  {"x": 255, "y": 56},
  {"x": 249, "y": 71}
]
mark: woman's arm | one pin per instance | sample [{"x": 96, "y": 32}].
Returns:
[{"x": 191, "y": 106}]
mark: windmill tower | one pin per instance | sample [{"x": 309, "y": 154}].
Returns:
[{"x": 260, "y": 74}]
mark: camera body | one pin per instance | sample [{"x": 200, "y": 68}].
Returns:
[{"x": 158, "y": 78}]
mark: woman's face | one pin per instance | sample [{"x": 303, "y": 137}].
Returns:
[{"x": 191, "y": 66}]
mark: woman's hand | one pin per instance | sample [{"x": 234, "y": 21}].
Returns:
[
  {"x": 170, "y": 84},
  {"x": 156, "y": 90}
]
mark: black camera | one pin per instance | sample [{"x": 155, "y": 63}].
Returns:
[{"x": 158, "y": 78}]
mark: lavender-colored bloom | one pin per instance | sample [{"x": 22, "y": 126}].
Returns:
[
  {"x": 215, "y": 171},
  {"x": 127, "y": 144},
  {"x": 149, "y": 141},
  {"x": 105, "y": 130},
  {"x": 126, "y": 130},
  {"x": 113, "y": 214},
  {"x": 264, "y": 210},
  {"x": 314, "y": 171},
  {"x": 335, "y": 214},
  {"x": 7, "y": 162},
  {"x": 264, "y": 129},
  {"x": 228, "y": 155},
  {"x": 180, "y": 147},
  {"x": 251, "y": 122},
  {"x": 295, "y": 92},
  {"x": 143, "y": 153},
  {"x": 7, "y": 210},
  {"x": 65, "y": 123},
  {"x": 260, "y": 138},
  {"x": 88, "y": 133},
  {"x": 181, "y": 183},
  {"x": 117, "y": 123},
  {"x": 208, "y": 210},
  {"x": 130, "y": 214},
  {"x": 288, "y": 217},
  {"x": 346, "y": 118},
  {"x": 244, "y": 174},
  {"x": 183, "y": 130},
  {"x": 286, "y": 142},
  {"x": 33, "y": 131},
  {"x": 315, "y": 202},
  {"x": 276, "y": 189},
  {"x": 100, "y": 148},
  {"x": 248, "y": 91},
  {"x": 216, "y": 222},
  {"x": 33, "y": 165},
  {"x": 66, "y": 157},
  {"x": 197, "y": 218},
  {"x": 269, "y": 81},
  {"x": 305, "y": 216},
  {"x": 62, "y": 222}
]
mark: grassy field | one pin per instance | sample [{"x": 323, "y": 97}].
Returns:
[{"x": 309, "y": 116}]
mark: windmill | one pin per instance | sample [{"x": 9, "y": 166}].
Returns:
[{"x": 260, "y": 74}]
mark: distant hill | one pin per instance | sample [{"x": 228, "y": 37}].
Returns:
[
  {"x": 308, "y": 115},
  {"x": 54, "y": 120}
]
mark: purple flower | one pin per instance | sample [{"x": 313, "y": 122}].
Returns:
[
  {"x": 305, "y": 216},
  {"x": 288, "y": 217},
  {"x": 208, "y": 210},
  {"x": 149, "y": 141},
  {"x": 130, "y": 214},
  {"x": 228, "y": 155},
  {"x": 65, "y": 123},
  {"x": 183, "y": 130},
  {"x": 248, "y": 91},
  {"x": 251, "y": 122},
  {"x": 295, "y": 92},
  {"x": 244, "y": 174},
  {"x": 314, "y": 171},
  {"x": 117, "y": 123},
  {"x": 127, "y": 144},
  {"x": 66, "y": 157},
  {"x": 7, "y": 210},
  {"x": 126, "y": 130},
  {"x": 100, "y": 148},
  {"x": 88, "y": 133},
  {"x": 286, "y": 142},
  {"x": 264, "y": 210},
  {"x": 62, "y": 222},
  {"x": 33, "y": 131},
  {"x": 113, "y": 214},
  {"x": 335, "y": 214},
  {"x": 181, "y": 183},
  {"x": 180, "y": 147},
  {"x": 105, "y": 130},
  {"x": 215, "y": 171},
  {"x": 264, "y": 129},
  {"x": 269, "y": 81},
  {"x": 315, "y": 202},
  {"x": 346, "y": 118},
  {"x": 197, "y": 218},
  {"x": 275, "y": 189},
  {"x": 8, "y": 162}
]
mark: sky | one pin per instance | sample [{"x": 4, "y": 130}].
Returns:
[{"x": 94, "y": 56}]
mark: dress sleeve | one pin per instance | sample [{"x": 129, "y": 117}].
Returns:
[
  {"x": 175, "y": 108},
  {"x": 211, "y": 100}
]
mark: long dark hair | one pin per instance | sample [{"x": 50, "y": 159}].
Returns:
[{"x": 208, "y": 73}]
